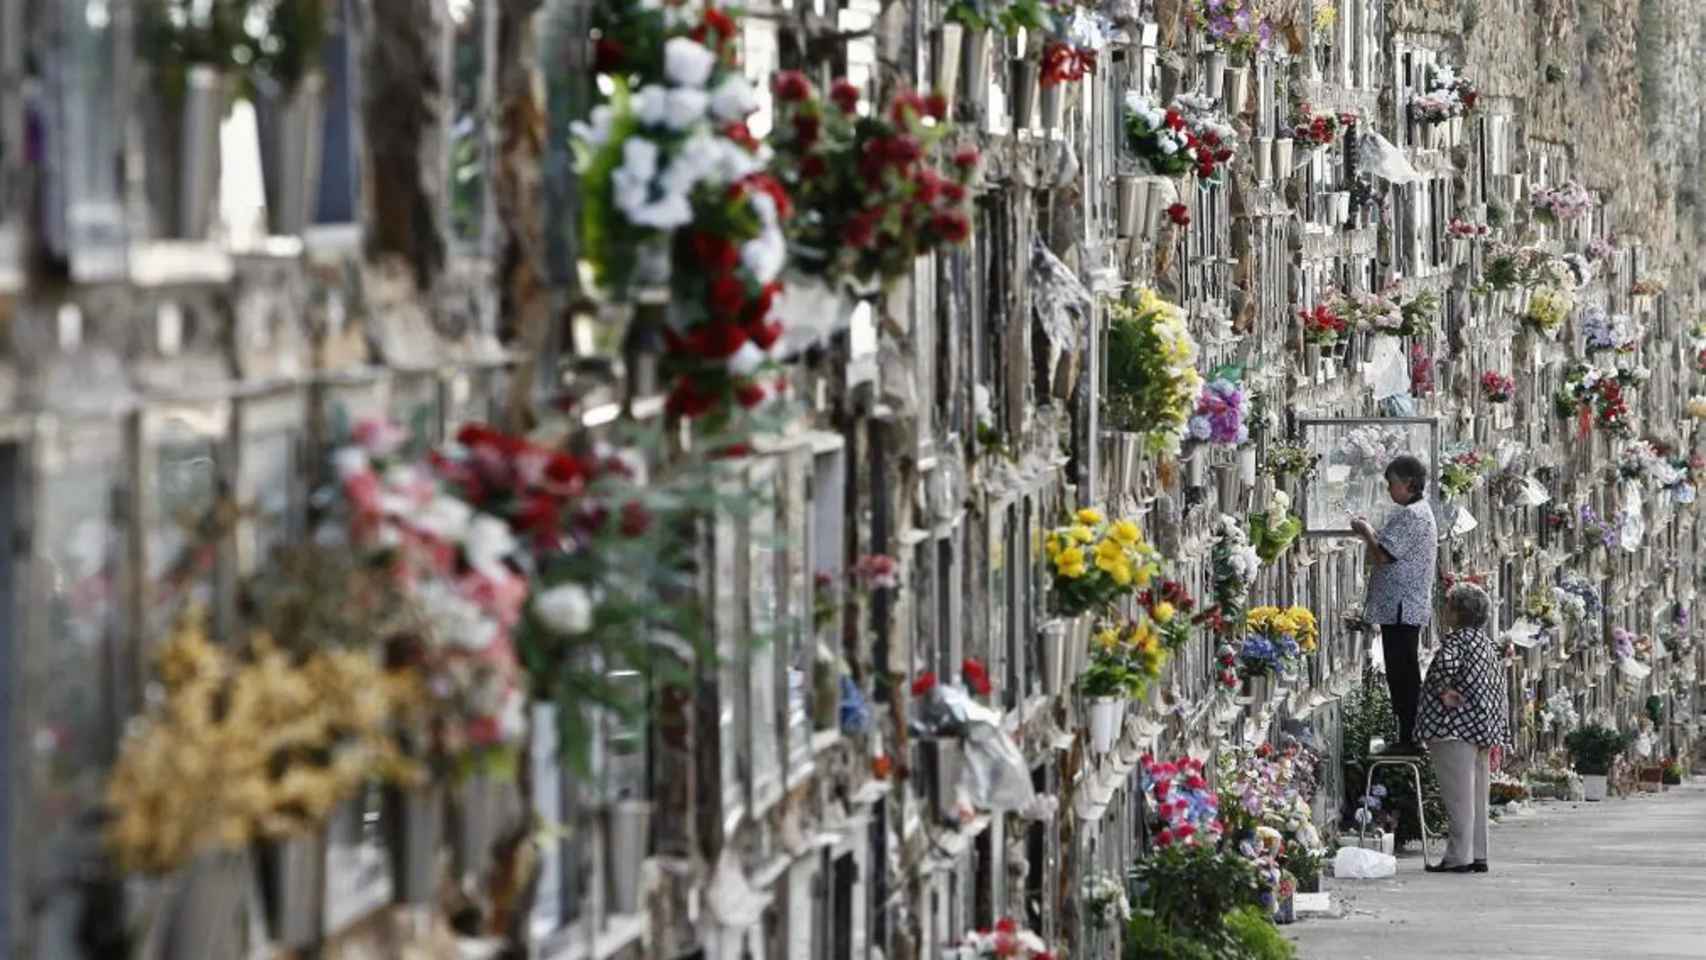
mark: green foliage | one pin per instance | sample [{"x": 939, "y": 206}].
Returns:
[
  {"x": 1256, "y": 936},
  {"x": 1593, "y": 748},
  {"x": 1304, "y": 864},
  {"x": 1188, "y": 889},
  {"x": 1656, "y": 709},
  {"x": 1368, "y": 714},
  {"x": 1272, "y": 533},
  {"x": 1003, "y": 16},
  {"x": 1148, "y": 939},
  {"x": 174, "y": 35}
]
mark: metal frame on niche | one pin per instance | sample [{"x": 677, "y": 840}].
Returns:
[{"x": 1306, "y": 499}]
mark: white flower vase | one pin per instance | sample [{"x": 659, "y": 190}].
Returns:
[
  {"x": 1077, "y": 649},
  {"x": 1055, "y": 636},
  {"x": 1516, "y": 184},
  {"x": 1105, "y": 716},
  {"x": 1258, "y": 688},
  {"x": 1131, "y": 197},
  {"x": 204, "y": 909},
  {"x": 414, "y": 827},
  {"x": 1311, "y": 361},
  {"x": 1196, "y": 469},
  {"x": 630, "y": 840},
  {"x": 1053, "y": 97},
  {"x": 1456, "y": 131},
  {"x": 184, "y": 157},
  {"x": 289, "y": 129},
  {"x": 1341, "y": 208},
  {"x": 945, "y": 58},
  {"x": 1264, "y": 158},
  {"x": 1161, "y": 195},
  {"x": 1237, "y": 90},
  {"x": 292, "y": 874},
  {"x": 1226, "y": 486},
  {"x": 941, "y": 759},
  {"x": 1247, "y": 465},
  {"x": 1282, "y": 157},
  {"x": 1594, "y": 786},
  {"x": 1216, "y": 75}
]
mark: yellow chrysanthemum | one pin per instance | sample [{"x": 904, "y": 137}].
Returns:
[
  {"x": 1144, "y": 637},
  {"x": 1125, "y": 533},
  {"x": 1108, "y": 639},
  {"x": 1121, "y": 573},
  {"x": 1081, "y": 533},
  {"x": 1088, "y": 516},
  {"x": 1142, "y": 574},
  {"x": 1109, "y": 551},
  {"x": 1069, "y": 563},
  {"x": 1052, "y": 546},
  {"x": 1163, "y": 612}
]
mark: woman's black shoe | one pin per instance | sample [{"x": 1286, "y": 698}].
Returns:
[
  {"x": 1479, "y": 866},
  {"x": 1442, "y": 868}
]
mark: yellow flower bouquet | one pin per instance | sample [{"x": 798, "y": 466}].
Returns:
[
  {"x": 1278, "y": 638},
  {"x": 1124, "y": 660},
  {"x": 1095, "y": 562}
]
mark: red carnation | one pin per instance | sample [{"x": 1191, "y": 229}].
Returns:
[
  {"x": 765, "y": 335},
  {"x": 726, "y": 296},
  {"x": 715, "y": 253},
  {"x": 1164, "y": 838},
  {"x": 719, "y": 21},
  {"x": 953, "y": 191},
  {"x": 635, "y": 519},
  {"x": 862, "y": 228},
  {"x": 759, "y": 307},
  {"x": 813, "y": 166},
  {"x": 1174, "y": 121},
  {"x": 936, "y": 105},
  {"x": 716, "y": 341},
  {"x": 1006, "y": 925},
  {"x": 765, "y": 183},
  {"x": 903, "y": 149},
  {"x": 791, "y": 86},
  {"x": 749, "y": 394},
  {"x": 1179, "y": 214},
  {"x": 976, "y": 676},
  {"x": 687, "y": 400},
  {"x": 844, "y": 95},
  {"x": 608, "y": 55},
  {"x": 951, "y": 225},
  {"x": 806, "y": 128},
  {"x": 924, "y": 684},
  {"x": 742, "y": 137},
  {"x": 966, "y": 158},
  {"x": 905, "y": 106}
]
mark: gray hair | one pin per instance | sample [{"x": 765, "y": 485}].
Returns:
[{"x": 1469, "y": 604}]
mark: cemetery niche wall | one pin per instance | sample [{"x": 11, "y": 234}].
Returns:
[{"x": 588, "y": 479}]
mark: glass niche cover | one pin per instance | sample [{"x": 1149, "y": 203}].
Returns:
[{"x": 1349, "y": 478}]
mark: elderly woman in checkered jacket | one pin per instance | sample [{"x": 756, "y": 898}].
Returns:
[{"x": 1464, "y": 718}]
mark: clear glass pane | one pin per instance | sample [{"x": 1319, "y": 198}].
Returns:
[
  {"x": 467, "y": 121},
  {"x": 1349, "y": 478},
  {"x": 268, "y": 485},
  {"x": 765, "y": 631},
  {"x": 181, "y": 556}
]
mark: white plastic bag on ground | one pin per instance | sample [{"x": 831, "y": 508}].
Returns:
[{"x": 1355, "y": 863}]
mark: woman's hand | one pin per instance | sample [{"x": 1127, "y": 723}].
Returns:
[
  {"x": 1452, "y": 699},
  {"x": 1361, "y": 527}
]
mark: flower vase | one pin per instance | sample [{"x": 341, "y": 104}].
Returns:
[
  {"x": 1282, "y": 157},
  {"x": 973, "y": 70},
  {"x": 941, "y": 759},
  {"x": 1247, "y": 465},
  {"x": 1161, "y": 193},
  {"x": 289, "y": 126},
  {"x": 1264, "y": 159},
  {"x": 1285, "y": 909},
  {"x": 1172, "y": 81},
  {"x": 1226, "y": 486},
  {"x": 1258, "y": 688},
  {"x": 1456, "y": 138},
  {"x": 945, "y": 58},
  {"x": 1022, "y": 98},
  {"x": 1514, "y": 183},
  {"x": 1594, "y": 786},
  {"x": 1237, "y": 90},
  {"x": 1215, "y": 79},
  {"x": 414, "y": 828},
  {"x": 826, "y": 694},
  {"x": 1077, "y": 649},
  {"x": 1105, "y": 716},
  {"x": 1341, "y": 208},
  {"x": 293, "y": 884},
  {"x": 1053, "y": 97},
  {"x": 483, "y": 808},
  {"x": 630, "y": 842},
  {"x": 204, "y": 915},
  {"x": 1054, "y": 636},
  {"x": 1196, "y": 469},
  {"x": 182, "y": 133},
  {"x": 1312, "y": 361},
  {"x": 1131, "y": 196}
]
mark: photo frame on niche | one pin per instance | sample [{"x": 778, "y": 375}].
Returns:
[{"x": 1349, "y": 477}]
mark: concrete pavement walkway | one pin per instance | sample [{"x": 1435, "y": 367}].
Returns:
[{"x": 1624, "y": 878}]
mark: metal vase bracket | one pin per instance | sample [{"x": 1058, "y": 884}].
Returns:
[
  {"x": 290, "y": 126},
  {"x": 205, "y": 911},
  {"x": 1247, "y": 465},
  {"x": 945, "y": 57},
  {"x": 1282, "y": 157},
  {"x": 1078, "y": 648},
  {"x": 293, "y": 887},
  {"x": 414, "y": 830},
  {"x": 630, "y": 843},
  {"x": 1196, "y": 469},
  {"x": 1131, "y": 197},
  {"x": 1226, "y": 485},
  {"x": 1023, "y": 96},
  {"x": 1264, "y": 158},
  {"x": 183, "y": 136}
]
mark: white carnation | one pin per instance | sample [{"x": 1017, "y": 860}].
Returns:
[
  {"x": 733, "y": 99},
  {"x": 565, "y": 608},
  {"x": 746, "y": 361},
  {"x": 686, "y": 107},
  {"x": 687, "y": 63}
]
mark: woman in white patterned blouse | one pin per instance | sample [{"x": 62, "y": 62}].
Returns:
[
  {"x": 1400, "y": 586},
  {"x": 1464, "y": 716}
]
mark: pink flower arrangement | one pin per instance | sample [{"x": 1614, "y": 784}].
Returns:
[
  {"x": 1496, "y": 387},
  {"x": 877, "y": 571},
  {"x": 1460, "y": 229}
]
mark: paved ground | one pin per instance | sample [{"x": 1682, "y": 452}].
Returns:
[{"x": 1625, "y": 878}]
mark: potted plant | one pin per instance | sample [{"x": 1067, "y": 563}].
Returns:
[{"x": 1593, "y": 748}]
